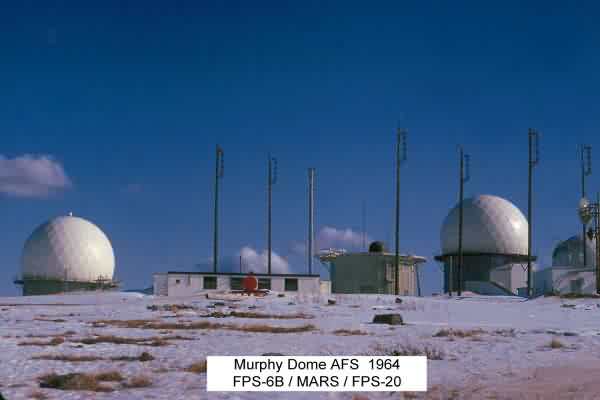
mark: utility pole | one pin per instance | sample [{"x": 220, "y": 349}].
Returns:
[
  {"x": 311, "y": 217},
  {"x": 400, "y": 158},
  {"x": 586, "y": 170},
  {"x": 534, "y": 158},
  {"x": 464, "y": 177},
  {"x": 218, "y": 177},
  {"x": 272, "y": 178}
]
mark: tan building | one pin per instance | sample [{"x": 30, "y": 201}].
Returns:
[{"x": 373, "y": 272}]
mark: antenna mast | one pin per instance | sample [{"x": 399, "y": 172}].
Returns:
[
  {"x": 311, "y": 217},
  {"x": 586, "y": 170},
  {"x": 534, "y": 158},
  {"x": 464, "y": 177},
  {"x": 218, "y": 176},
  {"x": 400, "y": 158},
  {"x": 272, "y": 179}
]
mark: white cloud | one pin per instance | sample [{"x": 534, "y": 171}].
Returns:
[
  {"x": 298, "y": 248},
  {"x": 252, "y": 260},
  {"x": 32, "y": 176},
  {"x": 257, "y": 262},
  {"x": 340, "y": 238}
]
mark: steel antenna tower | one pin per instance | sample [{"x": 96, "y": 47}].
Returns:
[
  {"x": 400, "y": 159},
  {"x": 272, "y": 179},
  {"x": 464, "y": 177},
  {"x": 534, "y": 158},
  {"x": 586, "y": 170},
  {"x": 218, "y": 176},
  {"x": 311, "y": 217}
]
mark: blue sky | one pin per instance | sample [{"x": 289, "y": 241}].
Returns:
[{"x": 130, "y": 99}]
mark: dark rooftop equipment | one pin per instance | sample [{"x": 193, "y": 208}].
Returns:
[{"x": 377, "y": 247}]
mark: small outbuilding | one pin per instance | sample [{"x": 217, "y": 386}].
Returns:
[
  {"x": 373, "y": 271},
  {"x": 176, "y": 283}
]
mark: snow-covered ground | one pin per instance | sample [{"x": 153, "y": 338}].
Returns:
[{"x": 510, "y": 359}]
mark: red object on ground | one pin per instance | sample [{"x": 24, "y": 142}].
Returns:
[{"x": 250, "y": 283}]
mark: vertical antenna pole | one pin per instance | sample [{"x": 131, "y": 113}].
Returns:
[
  {"x": 460, "y": 221},
  {"x": 272, "y": 178},
  {"x": 400, "y": 157},
  {"x": 531, "y": 133},
  {"x": 583, "y": 236},
  {"x": 586, "y": 169},
  {"x": 397, "y": 238},
  {"x": 311, "y": 217},
  {"x": 218, "y": 176},
  {"x": 269, "y": 190},
  {"x": 533, "y": 160}
]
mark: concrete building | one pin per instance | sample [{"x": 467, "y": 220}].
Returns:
[
  {"x": 568, "y": 274},
  {"x": 175, "y": 283},
  {"x": 66, "y": 254},
  {"x": 372, "y": 271},
  {"x": 494, "y": 247}
]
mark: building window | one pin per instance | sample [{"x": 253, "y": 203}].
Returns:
[
  {"x": 291, "y": 285},
  {"x": 264, "y": 284},
  {"x": 209, "y": 282},
  {"x": 236, "y": 283},
  {"x": 177, "y": 281}
]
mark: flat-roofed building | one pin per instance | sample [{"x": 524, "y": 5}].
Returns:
[
  {"x": 373, "y": 271},
  {"x": 176, "y": 283}
]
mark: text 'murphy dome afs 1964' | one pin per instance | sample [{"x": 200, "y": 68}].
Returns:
[
  {"x": 491, "y": 225},
  {"x": 68, "y": 248}
]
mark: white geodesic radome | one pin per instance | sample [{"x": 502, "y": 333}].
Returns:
[
  {"x": 68, "y": 248},
  {"x": 491, "y": 225},
  {"x": 569, "y": 253}
]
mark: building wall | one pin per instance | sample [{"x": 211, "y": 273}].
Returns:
[
  {"x": 183, "y": 284},
  {"x": 563, "y": 280},
  {"x": 495, "y": 269},
  {"x": 160, "y": 284},
  {"x": 325, "y": 288},
  {"x": 518, "y": 277},
  {"x": 371, "y": 273},
  {"x": 36, "y": 287}
]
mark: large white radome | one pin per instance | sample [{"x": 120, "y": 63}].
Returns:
[
  {"x": 69, "y": 248},
  {"x": 491, "y": 224}
]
